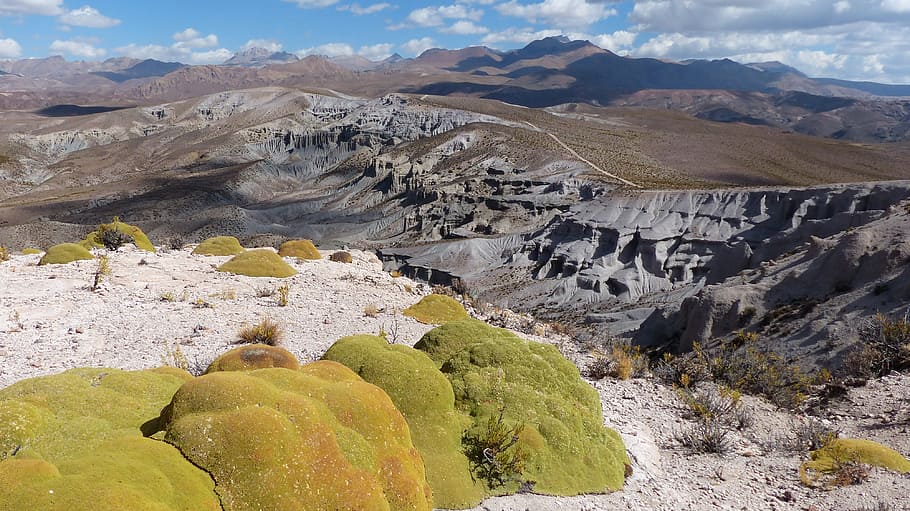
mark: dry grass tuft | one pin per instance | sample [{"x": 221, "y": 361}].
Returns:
[{"x": 267, "y": 331}]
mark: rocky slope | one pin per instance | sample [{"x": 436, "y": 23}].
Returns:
[{"x": 50, "y": 321}]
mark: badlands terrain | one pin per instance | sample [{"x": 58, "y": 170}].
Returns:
[{"x": 742, "y": 202}]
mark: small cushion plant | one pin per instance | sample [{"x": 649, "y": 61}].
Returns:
[
  {"x": 425, "y": 398},
  {"x": 30, "y": 251},
  {"x": 830, "y": 458},
  {"x": 508, "y": 384},
  {"x": 312, "y": 439},
  {"x": 219, "y": 246},
  {"x": 436, "y": 310},
  {"x": 301, "y": 249},
  {"x": 254, "y": 356},
  {"x": 65, "y": 253},
  {"x": 138, "y": 238},
  {"x": 74, "y": 441},
  {"x": 258, "y": 263},
  {"x": 342, "y": 256}
]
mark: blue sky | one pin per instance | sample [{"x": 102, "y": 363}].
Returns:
[{"x": 854, "y": 39}]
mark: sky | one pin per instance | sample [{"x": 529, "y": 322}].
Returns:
[{"x": 849, "y": 39}]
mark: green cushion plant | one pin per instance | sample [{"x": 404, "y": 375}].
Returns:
[
  {"x": 313, "y": 439},
  {"x": 219, "y": 246},
  {"x": 508, "y": 384},
  {"x": 254, "y": 356},
  {"x": 436, "y": 310},
  {"x": 93, "y": 239},
  {"x": 828, "y": 460},
  {"x": 65, "y": 253},
  {"x": 258, "y": 263},
  {"x": 75, "y": 441},
  {"x": 425, "y": 398},
  {"x": 31, "y": 251},
  {"x": 301, "y": 249}
]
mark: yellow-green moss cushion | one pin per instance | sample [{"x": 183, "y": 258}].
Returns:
[
  {"x": 436, "y": 310},
  {"x": 254, "y": 356},
  {"x": 301, "y": 249},
  {"x": 219, "y": 246},
  {"x": 65, "y": 253},
  {"x": 258, "y": 263},
  {"x": 828, "y": 459},
  {"x": 74, "y": 441},
  {"x": 424, "y": 396},
  {"x": 569, "y": 451},
  {"x": 313, "y": 439},
  {"x": 93, "y": 239}
]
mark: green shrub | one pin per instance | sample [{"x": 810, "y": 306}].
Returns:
[
  {"x": 219, "y": 246},
  {"x": 436, "y": 310},
  {"x": 252, "y": 357},
  {"x": 258, "y": 263},
  {"x": 301, "y": 249},
  {"x": 313, "y": 439},
  {"x": 425, "y": 398},
  {"x": 65, "y": 253},
  {"x": 568, "y": 450},
  {"x": 843, "y": 453},
  {"x": 342, "y": 257},
  {"x": 105, "y": 236},
  {"x": 495, "y": 454},
  {"x": 74, "y": 441},
  {"x": 31, "y": 251}
]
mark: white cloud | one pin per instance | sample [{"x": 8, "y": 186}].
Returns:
[
  {"x": 187, "y": 44},
  {"x": 357, "y": 10},
  {"x": 192, "y": 38},
  {"x": 371, "y": 52},
  {"x": 77, "y": 49},
  {"x": 436, "y": 16},
  {"x": 87, "y": 16},
  {"x": 25, "y": 7},
  {"x": 559, "y": 13},
  {"x": 618, "y": 42},
  {"x": 312, "y": 4},
  {"x": 328, "y": 50},
  {"x": 376, "y": 51},
  {"x": 767, "y": 15},
  {"x": 418, "y": 46},
  {"x": 269, "y": 44},
  {"x": 517, "y": 35},
  {"x": 896, "y": 5},
  {"x": 10, "y": 49},
  {"x": 465, "y": 27}
]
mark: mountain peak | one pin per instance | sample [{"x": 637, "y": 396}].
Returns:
[{"x": 258, "y": 57}]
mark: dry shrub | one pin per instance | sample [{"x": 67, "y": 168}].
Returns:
[
  {"x": 741, "y": 365},
  {"x": 267, "y": 331},
  {"x": 284, "y": 292},
  {"x": 622, "y": 361},
  {"x": 884, "y": 346},
  {"x": 707, "y": 437},
  {"x": 721, "y": 405},
  {"x": 371, "y": 311},
  {"x": 4, "y": 254}
]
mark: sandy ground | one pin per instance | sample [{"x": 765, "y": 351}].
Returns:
[{"x": 51, "y": 320}]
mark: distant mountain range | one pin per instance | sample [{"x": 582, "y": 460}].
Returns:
[{"x": 545, "y": 73}]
